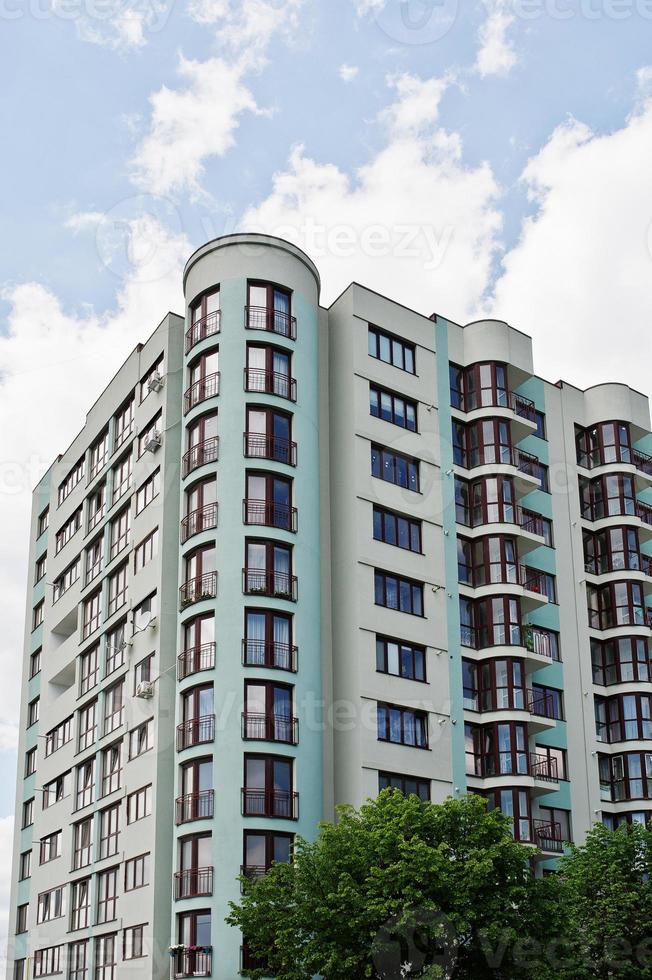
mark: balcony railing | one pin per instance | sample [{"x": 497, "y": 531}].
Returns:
[
  {"x": 644, "y": 512},
  {"x": 540, "y": 642},
  {"x": 527, "y": 464},
  {"x": 632, "y": 457},
  {"x": 543, "y": 767},
  {"x": 270, "y": 803},
  {"x": 193, "y": 882},
  {"x": 195, "y": 806},
  {"x": 270, "y": 728},
  {"x": 525, "y": 519},
  {"x": 267, "y": 318},
  {"x": 204, "y": 452},
  {"x": 197, "y": 731},
  {"x": 195, "y": 659},
  {"x": 543, "y": 705},
  {"x": 261, "y": 653},
  {"x": 191, "y": 962},
  {"x": 498, "y": 398},
  {"x": 206, "y": 326},
  {"x": 533, "y": 580},
  {"x": 260, "y": 581},
  {"x": 257, "y": 445},
  {"x": 270, "y": 514},
  {"x": 482, "y": 637},
  {"x": 201, "y": 587},
  {"x": 548, "y": 835},
  {"x": 642, "y": 461},
  {"x": 202, "y": 519},
  {"x": 205, "y": 388},
  {"x": 270, "y": 383}
]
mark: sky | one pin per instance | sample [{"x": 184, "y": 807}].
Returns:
[{"x": 490, "y": 158}]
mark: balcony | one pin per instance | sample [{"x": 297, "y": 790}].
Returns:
[
  {"x": 276, "y": 585},
  {"x": 269, "y": 514},
  {"x": 204, "y": 452},
  {"x": 203, "y": 519},
  {"x": 527, "y": 464},
  {"x": 270, "y": 803},
  {"x": 543, "y": 767},
  {"x": 192, "y": 961},
  {"x": 195, "y": 659},
  {"x": 270, "y": 728},
  {"x": 498, "y": 398},
  {"x": 632, "y": 457},
  {"x": 260, "y": 446},
  {"x": 206, "y": 326},
  {"x": 276, "y": 656},
  {"x": 548, "y": 836},
  {"x": 644, "y": 512},
  {"x": 542, "y": 705},
  {"x": 195, "y": 806},
  {"x": 195, "y": 589},
  {"x": 642, "y": 462},
  {"x": 270, "y": 383},
  {"x": 534, "y": 580},
  {"x": 205, "y": 388},
  {"x": 274, "y": 321},
  {"x": 193, "y": 883},
  {"x": 197, "y": 731}
]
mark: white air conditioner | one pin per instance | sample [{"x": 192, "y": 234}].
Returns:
[
  {"x": 155, "y": 383},
  {"x": 153, "y": 443},
  {"x": 145, "y": 689}
]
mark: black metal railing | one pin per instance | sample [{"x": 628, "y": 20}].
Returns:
[
  {"x": 257, "y": 445},
  {"x": 206, "y": 326},
  {"x": 195, "y": 659},
  {"x": 193, "y": 882},
  {"x": 261, "y": 581},
  {"x": 202, "y": 519},
  {"x": 270, "y": 728},
  {"x": 263, "y": 653},
  {"x": 196, "y": 731},
  {"x": 191, "y": 962},
  {"x": 274, "y": 321},
  {"x": 201, "y": 587},
  {"x": 204, "y": 452},
  {"x": 270, "y": 514},
  {"x": 270, "y": 383},
  {"x": 195, "y": 806},
  {"x": 270, "y": 803},
  {"x": 198, "y": 392}
]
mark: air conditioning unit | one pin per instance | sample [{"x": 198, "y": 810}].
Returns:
[
  {"x": 145, "y": 689},
  {"x": 153, "y": 443},
  {"x": 155, "y": 383}
]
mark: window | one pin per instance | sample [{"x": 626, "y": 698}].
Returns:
[
  {"x": 198, "y": 652},
  {"x": 88, "y": 670},
  {"x": 114, "y": 706},
  {"x": 547, "y": 701},
  {"x": 620, "y": 661},
  {"x": 202, "y": 443},
  {"x": 115, "y": 647},
  {"x": 268, "y": 640},
  {"x": 21, "y": 919},
  {"x": 32, "y": 712},
  {"x": 133, "y": 945},
  {"x": 400, "y": 659},
  {"x": 402, "y": 594},
  {"x": 148, "y": 490},
  {"x": 137, "y": 872},
  {"x": 82, "y": 843},
  {"x": 407, "y": 785},
  {"x": 391, "y": 350},
  {"x": 490, "y": 622},
  {"x": 540, "y": 419},
  {"x": 51, "y": 904},
  {"x": 111, "y": 768},
  {"x": 30, "y": 762},
  {"x": 515, "y": 804},
  {"x": 262, "y": 848},
  {"x": 147, "y": 382},
  {"x": 490, "y": 500},
  {"x": 96, "y": 505},
  {"x": 602, "y": 444},
  {"x": 268, "y": 712},
  {"x": 109, "y": 831},
  {"x": 58, "y": 736},
  {"x": 92, "y": 612},
  {"x": 204, "y": 379},
  {"x": 39, "y": 571},
  {"x": 94, "y": 560},
  {"x": 50, "y": 847},
  {"x": 35, "y": 663},
  {"x": 404, "y": 726},
  {"x": 78, "y": 960},
  {"x": 71, "y": 526},
  {"x": 494, "y": 685},
  {"x": 105, "y": 957},
  {"x": 393, "y": 408},
  {"x": 120, "y": 528},
  {"x": 554, "y": 761},
  {"x": 200, "y": 578},
  {"x": 145, "y": 612},
  {"x": 57, "y": 789},
  {"x": 612, "y": 550},
  {"x": 43, "y": 521},
  {"x": 67, "y": 578},
  {"x": 546, "y": 530},
  {"x": 80, "y": 904},
  {"x": 269, "y": 370},
  {"x": 107, "y": 896},
  {"x": 269, "y": 501},
  {"x": 139, "y": 804},
  {"x": 269, "y": 308},
  {"x": 151, "y": 431},
  {"x": 25, "y": 865},
  {"x": 124, "y": 422},
  {"x": 85, "y": 793},
  {"x": 143, "y": 671},
  {"x": 146, "y": 550},
  {"x": 482, "y": 443},
  {"x": 268, "y": 569},
  {"x": 616, "y": 604},
  {"x": 121, "y": 477},
  {"x": 38, "y": 614},
  {"x": 20, "y": 969},
  {"x": 76, "y": 474},
  {"x": 268, "y": 435},
  {"x": 28, "y": 814},
  {"x": 395, "y": 468},
  {"x": 268, "y": 789},
  {"x": 396, "y": 529},
  {"x": 497, "y": 750},
  {"x": 204, "y": 315},
  {"x": 608, "y": 496},
  {"x": 624, "y": 718},
  {"x": 47, "y": 962},
  {"x": 118, "y": 589},
  {"x": 99, "y": 454},
  {"x": 560, "y": 818},
  {"x": 541, "y": 472}
]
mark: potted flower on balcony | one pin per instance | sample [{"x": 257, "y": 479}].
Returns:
[{"x": 528, "y": 637}]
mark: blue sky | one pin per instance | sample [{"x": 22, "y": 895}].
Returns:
[{"x": 487, "y": 158}]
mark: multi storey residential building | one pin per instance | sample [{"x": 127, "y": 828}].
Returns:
[{"x": 297, "y": 555}]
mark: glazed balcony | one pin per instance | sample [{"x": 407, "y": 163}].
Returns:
[
  {"x": 270, "y": 383},
  {"x": 269, "y": 803},
  {"x": 196, "y": 731},
  {"x": 192, "y": 961},
  {"x": 203, "y": 519},
  {"x": 272, "y": 655},
  {"x": 193, "y": 883},
  {"x": 543, "y": 705},
  {"x": 276, "y": 585},
  {"x": 624, "y": 455},
  {"x": 206, "y": 326},
  {"x": 270, "y": 728},
  {"x": 195, "y": 659},
  {"x": 269, "y": 514},
  {"x": 257, "y": 445},
  {"x": 201, "y": 390},
  {"x": 495, "y": 397},
  {"x": 195, "y": 589},
  {"x": 195, "y": 806},
  {"x": 204, "y": 452},
  {"x": 271, "y": 320}
]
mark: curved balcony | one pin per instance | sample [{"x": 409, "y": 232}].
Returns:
[
  {"x": 206, "y": 326},
  {"x": 272, "y": 655},
  {"x": 275, "y": 585},
  {"x": 195, "y": 806},
  {"x": 257, "y": 445},
  {"x": 271, "y": 320},
  {"x": 195, "y": 659},
  {"x": 196, "y": 589},
  {"x": 641, "y": 462},
  {"x": 200, "y": 391},
  {"x": 203, "y": 519},
  {"x": 497, "y": 459},
  {"x": 196, "y": 731},
  {"x": 193, "y": 883},
  {"x": 191, "y": 962},
  {"x": 270, "y": 383},
  {"x": 505, "y": 579},
  {"x": 477, "y": 522},
  {"x": 269, "y": 514},
  {"x": 270, "y": 728},
  {"x": 204, "y": 452},
  {"x": 269, "y": 803}
]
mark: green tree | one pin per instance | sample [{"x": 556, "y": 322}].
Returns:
[{"x": 401, "y": 888}]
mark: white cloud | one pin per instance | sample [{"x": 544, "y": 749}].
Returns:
[
  {"x": 6, "y": 846},
  {"x": 496, "y": 55},
  {"x": 414, "y": 216},
  {"x": 363, "y": 7},
  {"x": 579, "y": 278},
  {"x": 119, "y": 26},
  {"x": 644, "y": 80},
  {"x": 348, "y": 72}
]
